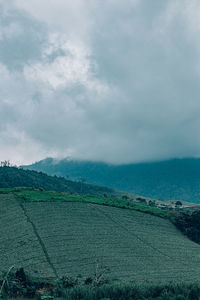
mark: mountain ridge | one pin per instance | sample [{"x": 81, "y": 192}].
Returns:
[
  {"x": 17, "y": 177},
  {"x": 165, "y": 180}
]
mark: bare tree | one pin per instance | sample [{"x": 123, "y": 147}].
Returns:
[{"x": 5, "y": 163}]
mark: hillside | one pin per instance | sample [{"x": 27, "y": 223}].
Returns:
[
  {"x": 17, "y": 177},
  {"x": 167, "y": 180},
  {"x": 56, "y": 238}
]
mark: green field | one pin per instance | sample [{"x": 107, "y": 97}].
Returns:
[
  {"x": 31, "y": 195},
  {"x": 51, "y": 234}
]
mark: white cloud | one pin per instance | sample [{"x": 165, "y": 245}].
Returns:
[
  {"x": 65, "y": 63},
  {"x": 17, "y": 147},
  {"x": 71, "y": 67},
  {"x": 70, "y": 17}
]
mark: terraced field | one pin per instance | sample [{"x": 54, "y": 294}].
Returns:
[{"x": 71, "y": 238}]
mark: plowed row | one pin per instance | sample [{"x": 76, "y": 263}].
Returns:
[
  {"x": 18, "y": 244},
  {"x": 78, "y": 236}
]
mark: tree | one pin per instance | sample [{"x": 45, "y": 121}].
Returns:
[
  {"x": 141, "y": 200},
  {"x": 125, "y": 197},
  {"x": 5, "y": 163},
  {"x": 152, "y": 203},
  {"x": 178, "y": 203}
]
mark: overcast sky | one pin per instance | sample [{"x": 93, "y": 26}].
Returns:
[{"x": 109, "y": 80}]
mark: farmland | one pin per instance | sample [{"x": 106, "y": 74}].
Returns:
[
  {"x": 18, "y": 243},
  {"x": 56, "y": 238}
]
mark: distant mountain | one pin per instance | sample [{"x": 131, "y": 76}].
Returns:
[
  {"x": 18, "y": 177},
  {"x": 167, "y": 180}
]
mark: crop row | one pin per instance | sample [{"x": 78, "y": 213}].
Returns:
[
  {"x": 18, "y": 244},
  {"x": 81, "y": 237}
]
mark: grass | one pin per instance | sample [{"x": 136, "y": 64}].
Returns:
[
  {"x": 24, "y": 287},
  {"x": 30, "y": 195},
  {"x": 136, "y": 292}
]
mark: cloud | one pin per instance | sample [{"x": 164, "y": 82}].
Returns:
[
  {"x": 64, "y": 64},
  {"x": 21, "y": 38},
  {"x": 116, "y": 81},
  {"x": 69, "y": 17}
]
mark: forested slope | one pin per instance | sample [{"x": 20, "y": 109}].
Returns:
[
  {"x": 17, "y": 177},
  {"x": 172, "y": 179}
]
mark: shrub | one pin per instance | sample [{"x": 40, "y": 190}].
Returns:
[{"x": 189, "y": 224}]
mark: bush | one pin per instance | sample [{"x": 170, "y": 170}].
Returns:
[
  {"x": 189, "y": 224},
  {"x": 19, "y": 285}
]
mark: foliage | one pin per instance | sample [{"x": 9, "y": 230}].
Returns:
[
  {"x": 135, "y": 292},
  {"x": 15, "y": 177},
  {"x": 172, "y": 179},
  {"x": 5, "y": 163},
  {"x": 178, "y": 203},
  {"x": 31, "y": 195},
  {"x": 189, "y": 224},
  {"x": 17, "y": 284},
  {"x": 45, "y": 289},
  {"x": 66, "y": 190}
]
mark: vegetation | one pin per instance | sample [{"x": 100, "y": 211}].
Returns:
[
  {"x": 18, "y": 284},
  {"x": 136, "y": 292},
  {"x": 32, "y": 195},
  {"x": 55, "y": 238},
  {"x": 15, "y": 177},
  {"x": 167, "y": 180},
  {"x": 84, "y": 241},
  {"x": 189, "y": 224}
]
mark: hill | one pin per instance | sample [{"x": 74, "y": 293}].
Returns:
[
  {"x": 56, "y": 238},
  {"x": 167, "y": 180},
  {"x": 17, "y": 177}
]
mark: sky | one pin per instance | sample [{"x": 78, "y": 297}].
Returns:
[{"x": 107, "y": 80}]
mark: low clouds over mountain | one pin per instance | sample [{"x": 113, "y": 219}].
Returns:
[{"x": 116, "y": 81}]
